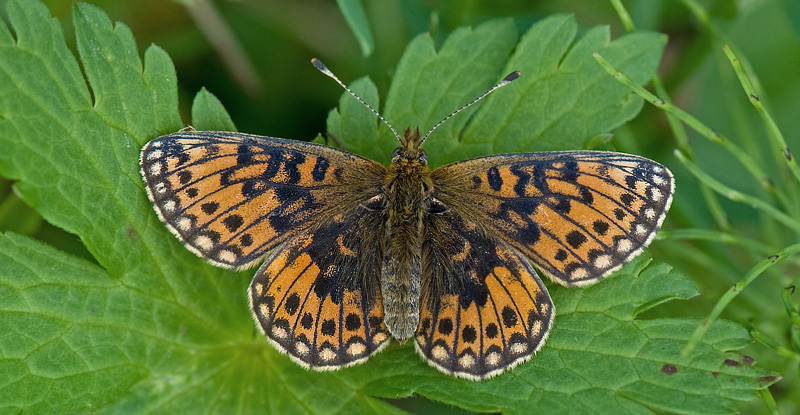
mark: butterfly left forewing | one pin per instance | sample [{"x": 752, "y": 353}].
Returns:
[
  {"x": 483, "y": 310},
  {"x": 231, "y": 197},
  {"x": 578, "y": 215}
]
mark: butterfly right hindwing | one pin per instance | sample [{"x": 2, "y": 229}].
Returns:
[{"x": 484, "y": 310}]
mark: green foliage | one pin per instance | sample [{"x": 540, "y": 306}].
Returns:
[
  {"x": 149, "y": 328},
  {"x": 561, "y": 101}
]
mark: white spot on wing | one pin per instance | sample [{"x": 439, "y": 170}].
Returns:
[
  {"x": 184, "y": 224},
  {"x": 602, "y": 261},
  {"x": 578, "y": 274},
  {"x": 227, "y": 256},
  {"x": 204, "y": 242},
  {"x": 327, "y": 354},
  {"x": 466, "y": 361},
  {"x": 493, "y": 358},
  {"x": 656, "y": 194},
  {"x": 439, "y": 353},
  {"x": 519, "y": 348},
  {"x": 356, "y": 349},
  {"x": 155, "y": 168},
  {"x": 278, "y": 332},
  {"x": 301, "y": 348},
  {"x": 624, "y": 245},
  {"x": 169, "y": 205}
]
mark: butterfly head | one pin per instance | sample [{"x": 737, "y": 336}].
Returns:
[{"x": 409, "y": 150}]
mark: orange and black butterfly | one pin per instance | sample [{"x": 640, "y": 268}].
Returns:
[{"x": 357, "y": 253}]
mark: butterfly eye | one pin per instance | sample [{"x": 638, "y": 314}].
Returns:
[
  {"x": 375, "y": 203},
  {"x": 436, "y": 206},
  {"x": 396, "y": 154},
  {"x": 423, "y": 157}
]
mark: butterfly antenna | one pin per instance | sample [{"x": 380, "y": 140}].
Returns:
[
  {"x": 507, "y": 80},
  {"x": 324, "y": 69}
]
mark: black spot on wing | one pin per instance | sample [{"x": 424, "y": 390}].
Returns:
[
  {"x": 352, "y": 322},
  {"x": 328, "y": 327},
  {"x": 575, "y": 239},
  {"x": 233, "y": 222},
  {"x": 185, "y": 176},
  {"x": 570, "y": 171},
  {"x": 523, "y": 179},
  {"x": 494, "y": 179},
  {"x": 291, "y": 162},
  {"x": 445, "y": 326},
  {"x": 320, "y": 168},
  {"x": 209, "y": 208},
  {"x": 509, "y": 317}
]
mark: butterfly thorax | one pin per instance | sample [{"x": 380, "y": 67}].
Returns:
[{"x": 408, "y": 186}]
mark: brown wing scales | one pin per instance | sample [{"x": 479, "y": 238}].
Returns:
[
  {"x": 484, "y": 309},
  {"x": 578, "y": 215},
  {"x": 232, "y": 197},
  {"x": 317, "y": 299}
]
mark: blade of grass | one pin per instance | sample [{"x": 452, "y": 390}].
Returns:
[
  {"x": 223, "y": 40},
  {"x": 681, "y": 139},
  {"x": 733, "y": 292},
  {"x": 770, "y": 342},
  {"x": 772, "y": 127},
  {"x": 736, "y": 195},
  {"x": 716, "y": 236},
  {"x": 750, "y": 164},
  {"x": 770, "y": 401},
  {"x": 786, "y": 296}
]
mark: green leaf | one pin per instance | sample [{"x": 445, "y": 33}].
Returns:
[
  {"x": 150, "y": 328},
  {"x": 208, "y": 114},
  {"x": 562, "y": 100},
  {"x": 356, "y": 18}
]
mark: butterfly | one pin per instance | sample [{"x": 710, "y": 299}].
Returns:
[{"x": 356, "y": 253}]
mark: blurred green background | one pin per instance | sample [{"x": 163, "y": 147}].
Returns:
[{"x": 254, "y": 56}]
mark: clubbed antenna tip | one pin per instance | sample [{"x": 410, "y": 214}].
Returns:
[
  {"x": 507, "y": 80},
  {"x": 324, "y": 69}
]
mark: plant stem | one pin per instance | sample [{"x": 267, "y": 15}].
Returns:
[{"x": 738, "y": 196}]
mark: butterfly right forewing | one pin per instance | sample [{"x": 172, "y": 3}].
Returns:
[{"x": 578, "y": 215}]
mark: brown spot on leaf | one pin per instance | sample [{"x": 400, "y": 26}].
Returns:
[
  {"x": 669, "y": 369},
  {"x": 730, "y": 362},
  {"x": 748, "y": 360},
  {"x": 715, "y": 374},
  {"x": 767, "y": 379}
]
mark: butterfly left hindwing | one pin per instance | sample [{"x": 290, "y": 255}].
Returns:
[{"x": 317, "y": 297}]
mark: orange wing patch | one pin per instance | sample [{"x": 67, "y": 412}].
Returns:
[
  {"x": 578, "y": 215},
  {"x": 311, "y": 301},
  {"x": 484, "y": 309},
  {"x": 231, "y": 198}
]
